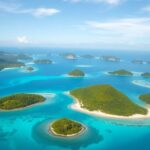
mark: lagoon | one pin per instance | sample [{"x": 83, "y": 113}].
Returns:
[{"x": 31, "y": 125}]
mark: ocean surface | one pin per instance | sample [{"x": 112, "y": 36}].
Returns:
[{"x": 27, "y": 129}]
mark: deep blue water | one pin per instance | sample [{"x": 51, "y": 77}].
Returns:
[{"x": 28, "y": 128}]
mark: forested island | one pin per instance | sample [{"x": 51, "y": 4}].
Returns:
[
  {"x": 121, "y": 72},
  {"x": 76, "y": 73},
  {"x": 70, "y": 56},
  {"x": 29, "y": 69},
  {"x": 110, "y": 58},
  {"x": 106, "y": 99},
  {"x": 146, "y": 74},
  {"x": 66, "y": 127},
  {"x": 137, "y": 61},
  {"x": 42, "y": 61},
  {"x": 145, "y": 98},
  {"x": 17, "y": 101}
]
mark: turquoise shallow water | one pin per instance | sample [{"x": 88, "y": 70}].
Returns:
[{"x": 28, "y": 128}]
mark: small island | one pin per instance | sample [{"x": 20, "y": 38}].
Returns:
[
  {"x": 145, "y": 98},
  {"x": 29, "y": 69},
  {"x": 66, "y": 128},
  {"x": 18, "y": 101},
  {"x": 107, "y": 100},
  {"x": 76, "y": 73},
  {"x": 42, "y": 61},
  {"x": 70, "y": 56},
  {"x": 137, "y": 61},
  {"x": 110, "y": 58},
  {"x": 121, "y": 72},
  {"x": 146, "y": 74}
]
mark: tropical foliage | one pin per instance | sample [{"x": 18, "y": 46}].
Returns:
[
  {"x": 19, "y": 101},
  {"x": 66, "y": 126},
  {"x": 121, "y": 72},
  {"x": 145, "y": 98},
  {"x": 146, "y": 74},
  {"x": 107, "y": 99},
  {"x": 76, "y": 72}
]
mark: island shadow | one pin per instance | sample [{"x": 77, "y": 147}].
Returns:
[{"x": 43, "y": 137}]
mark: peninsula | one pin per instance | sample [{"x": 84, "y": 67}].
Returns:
[
  {"x": 66, "y": 128},
  {"x": 105, "y": 100},
  {"x": 9, "y": 60},
  {"x": 17, "y": 101}
]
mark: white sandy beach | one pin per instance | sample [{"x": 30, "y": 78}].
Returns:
[
  {"x": 142, "y": 83},
  {"x": 69, "y": 76},
  {"x": 76, "y": 106},
  {"x": 13, "y": 68},
  {"x": 51, "y": 130}
]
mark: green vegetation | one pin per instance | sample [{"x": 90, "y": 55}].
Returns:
[
  {"x": 19, "y": 101},
  {"x": 146, "y": 74},
  {"x": 66, "y": 127},
  {"x": 76, "y": 72},
  {"x": 145, "y": 98},
  {"x": 121, "y": 72},
  {"x": 107, "y": 99},
  {"x": 23, "y": 56},
  {"x": 29, "y": 69},
  {"x": 11, "y": 65},
  {"x": 9, "y": 60},
  {"x": 43, "y": 61}
]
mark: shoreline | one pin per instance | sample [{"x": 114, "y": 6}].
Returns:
[
  {"x": 134, "y": 74},
  {"x": 11, "y": 68},
  {"x": 76, "y": 106},
  {"x": 46, "y": 95},
  {"x": 69, "y": 76},
  {"x": 51, "y": 131},
  {"x": 24, "y": 70},
  {"x": 84, "y": 66},
  {"x": 142, "y": 83}
]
